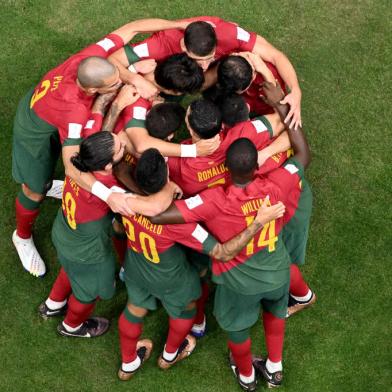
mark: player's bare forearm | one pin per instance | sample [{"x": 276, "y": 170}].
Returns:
[
  {"x": 122, "y": 172},
  {"x": 230, "y": 249},
  {"x": 170, "y": 216},
  {"x": 154, "y": 204},
  {"x": 111, "y": 118},
  {"x": 84, "y": 180},
  {"x": 102, "y": 102}
]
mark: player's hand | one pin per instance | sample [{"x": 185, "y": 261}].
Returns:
[
  {"x": 145, "y": 66},
  {"x": 206, "y": 147},
  {"x": 267, "y": 213},
  {"x": 118, "y": 203},
  {"x": 145, "y": 88},
  {"x": 127, "y": 96},
  {"x": 293, "y": 118},
  {"x": 273, "y": 94}
]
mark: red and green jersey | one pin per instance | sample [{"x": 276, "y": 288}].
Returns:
[
  {"x": 252, "y": 94},
  {"x": 263, "y": 265},
  {"x": 156, "y": 247},
  {"x": 195, "y": 175},
  {"x": 133, "y": 116},
  {"x": 59, "y": 101},
  {"x": 81, "y": 231},
  {"x": 230, "y": 38}
]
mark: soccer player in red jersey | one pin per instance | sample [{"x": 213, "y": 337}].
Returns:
[
  {"x": 50, "y": 118},
  {"x": 260, "y": 273},
  {"x": 81, "y": 235},
  {"x": 156, "y": 268},
  {"x": 206, "y": 39}
]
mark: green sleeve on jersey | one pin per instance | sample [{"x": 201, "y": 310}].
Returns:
[
  {"x": 72, "y": 142},
  {"x": 266, "y": 122},
  {"x": 134, "y": 123},
  {"x": 131, "y": 55},
  {"x": 301, "y": 169},
  {"x": 209, "y": 244}
]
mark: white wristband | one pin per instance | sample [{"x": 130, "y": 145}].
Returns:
[
  {"x": 188, "y": 151},
  {"x": 101, "y": 191},
  {"x": 132, "y": 69}
]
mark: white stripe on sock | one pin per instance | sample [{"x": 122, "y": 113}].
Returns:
[
  {"x": 169, "y": 356},
  {"x": 273, "y": 367},
  {"x": 131, "y": 366},
  {"x": 305, "y": 298},
  {"x": 71, "y": 329},
  {"x": 249, "y": 379},
  {"x": 54, "y": 305}
]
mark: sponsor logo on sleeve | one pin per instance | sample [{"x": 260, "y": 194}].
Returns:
[
  {"x": 242, "y": 34},
  {"x": 194, "y": 202},
  {"x": 89, "y": 124},
  {"x": 106, "y": 44},
  {"x": 200, "y": 234},
  {"x": 74, "y": 130},
  {"x": 141, "y": 50}
]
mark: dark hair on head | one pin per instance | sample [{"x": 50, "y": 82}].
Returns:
[
  {"x": 241, "y": 156},
  {"x": 200, "y": 38},
  {"x": 179, "y": 73},
  {"x": 164, "y": 119},
  {"x": 234, "y": 109},
  {"x": 94, "y": 70},
  {"x": 151, "y": 171},
  {"x": 204, "y": 118},
  {"x": 95, "y": 152},
  {"x": 234, "y": 74}
]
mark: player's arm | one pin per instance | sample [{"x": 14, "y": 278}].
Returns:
[
  {"x": 171, "y": 215},
  {"x": 154, "y": 204},
  {"x": 265, "y": 214},
  {"x": 280, "y": 144},
  {"x": 141, "y": 141},
  {"x": 273, "y": 96},
  {"x": 116, "y": 201},
  {"x": 269, "y": 53}
]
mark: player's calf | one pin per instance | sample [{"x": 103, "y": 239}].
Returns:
[{"x": 166, "y": 360}]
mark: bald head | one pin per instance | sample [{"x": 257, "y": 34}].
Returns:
[{"x": 94, "y": 71}]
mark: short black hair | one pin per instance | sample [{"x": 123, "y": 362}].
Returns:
[
  {"x": 234, "y": 109},
  {"x": 241, "y": 156},
  {"x": 234, "y": 74},
  {"x": 151, "y": 171},
  {"x": 200, "y": 38},
  {"x": 164, "y": 119},
  {"x": 205, "y": 118},
  {"x": 179, "y": 73},
  {"x": 95, "y": 152}
]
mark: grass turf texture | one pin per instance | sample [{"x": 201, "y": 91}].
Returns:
[{"x": 342, "y": 56}]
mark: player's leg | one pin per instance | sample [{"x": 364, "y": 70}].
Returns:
[
  {"x": 27, "y": 206},
  {"x": 275, "y": 308},
  {"x": 56, "y": 303},
  {"x": 179, "y": 344},
  {"x": 199, "y": 325},
  {"x": 133, "y": 350}
]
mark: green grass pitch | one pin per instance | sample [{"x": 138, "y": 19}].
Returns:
[{"x": 342, "y": 53}]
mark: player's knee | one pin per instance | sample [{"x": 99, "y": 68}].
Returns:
[
  {"x": 203, "y": 273},
  {"x": 191, "y": 305},
  {"x": 137, "y": 311},
  {"x": 31, "y": 195},
  {"x": 118, "y": 227}
]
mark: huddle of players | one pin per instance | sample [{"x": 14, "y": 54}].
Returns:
[{"x": 235, "y": 215}]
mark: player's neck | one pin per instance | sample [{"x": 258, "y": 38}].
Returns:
[{"x": 241, "y": 181}]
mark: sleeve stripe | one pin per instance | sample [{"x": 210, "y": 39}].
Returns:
[
  {"x": 292, "y": 169},
  {"x": 193, "y": 202},
  {"x": 141, "y": 50},
  {"x": 260, "y": 126},
  {"x": 74, "y": 130},
  {"x": 242, "y": 34},
  {"x": 139, "y": 113}
]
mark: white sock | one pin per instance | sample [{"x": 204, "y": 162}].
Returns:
[
  {"x": 273, "y": 367},
  {"x": 131, "y": 366},
  {"x": 169, "y": 356},
  {"x": 249, "y": 379},
  {"x": 305, "y": 298},
  {"x": 54, "y": 305},
  {"x": 71, "y": 329}
]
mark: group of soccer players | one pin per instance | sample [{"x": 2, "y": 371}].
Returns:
[{"x": 228, "y": 207}]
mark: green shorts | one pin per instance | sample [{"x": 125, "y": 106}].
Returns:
[
  {"x": 235, "y": 311},
  {"x": 296, "y": 232},
  {"x": 89, "y": 281},
  {"x": 174, "y": 298}
]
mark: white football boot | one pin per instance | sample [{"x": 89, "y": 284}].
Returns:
[
  {"x": 29, "y": 256},
  {"x": 56, "y": 190}
]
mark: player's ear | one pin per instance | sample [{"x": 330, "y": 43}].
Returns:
[
  {"x": 108, "y": 167},
  {"x": 91, "y": 90},
  {"x": 182, "y": 45}
]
